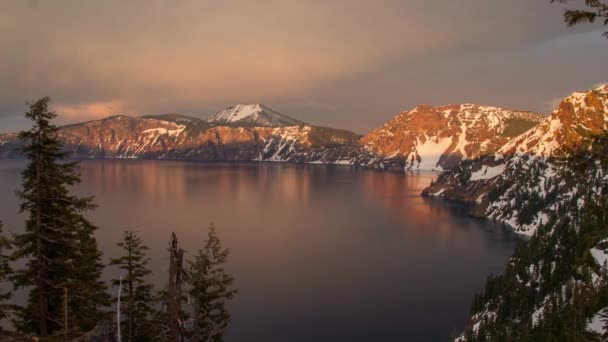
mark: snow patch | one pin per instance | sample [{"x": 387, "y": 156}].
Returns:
[
  {"x": 597, "y": 324},
  {"x": 430, "y": 151},
  {"x": 487, "y": 172},
  {"x": 600, "y": 257}
]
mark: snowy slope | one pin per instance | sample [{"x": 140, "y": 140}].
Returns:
[
  {"x": 252, "y": 115},
  {"x": 437, "y": 138},
  {"x": 577, "y": 116},
  {"x": 539, "y": 184},
  {"x": 530, "y": 165},
  {"x": 178, "y": 137}
]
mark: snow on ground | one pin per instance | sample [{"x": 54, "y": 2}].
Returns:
[
  {"x": 600, "y": 256},
  {"x": 597, "y": 324},
  {"x": 438, "y": 193},
  {"x": 236, "y": 113},
  {"x": 488, "y": 172},
  {"x": 172, "y": 132},
  {"x": 537, "y": 315},
  {"x": 430, "y": 151}
]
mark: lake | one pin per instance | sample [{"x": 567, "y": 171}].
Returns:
[{"x": 319, "y": 253}]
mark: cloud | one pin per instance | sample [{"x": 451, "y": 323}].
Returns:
[
  {"x": 92, "y": 110},
  {"x": 313, "y": 59}
]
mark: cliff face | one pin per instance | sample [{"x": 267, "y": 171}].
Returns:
[
  {"x": 437, "y": 138},
  {"x": 551, "y": 184},
  {"x": 531, "y": 163},
  {"x": 577, "y": 117},
  {"x": 181, "y": 138},
  {"x": 426, "y": 138}
]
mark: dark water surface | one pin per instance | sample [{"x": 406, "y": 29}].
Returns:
[{"x": 319, "y": 253}]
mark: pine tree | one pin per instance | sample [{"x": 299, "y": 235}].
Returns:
[
  {"x": 210, "y": 290},
  {"x": 5, "y": 272},
  {"x": 57, "y": 244},
  {"x": 137, "y": 299},
  {"x": 587, "y": 11}
]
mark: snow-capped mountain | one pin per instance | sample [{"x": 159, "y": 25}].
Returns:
[
  {"x": 551, "y": 184},
  {"x": 426, "y": 138},
  {"x": 252, "y": 115},
  {"x": 577, "y": 117},
  {"x": 493, "y": 181},
  {"x": 437, "y": 138},
  {"x": 178, "y": 137}
]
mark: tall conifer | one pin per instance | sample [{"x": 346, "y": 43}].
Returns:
[
  {"x": 210, "y": 290},
  {"x": 5, "y": 272},
  {"x": 137, "y": 299},
  {"x": 57, "y": 245}
]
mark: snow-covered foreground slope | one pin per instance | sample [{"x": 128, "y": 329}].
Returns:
[
  {"x": 529, "y": 166},
  {"x": 437, "y": 138},
  {"x": 550, "y": 184},
  {"x": 254, "y": 115}
]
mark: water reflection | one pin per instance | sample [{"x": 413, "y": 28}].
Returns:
[{"x": 319, "y": 253}]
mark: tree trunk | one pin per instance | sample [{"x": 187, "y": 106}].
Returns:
[
  {"x": 130, "y": 283},
  {"x": 118, "y": 334},
  {"x": 172, "y": 303},
  {"x": 40, "y": 283},
  {"x": 65, "y": 314}
]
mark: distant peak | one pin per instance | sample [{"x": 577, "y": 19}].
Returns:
[
  {"x": 255, "y": 106},
  {"x": 253, "y": 114}
]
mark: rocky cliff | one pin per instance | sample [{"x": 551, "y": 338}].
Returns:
[
  {"x": 178, "y": 137},
  {"x": 426, "y": 138},
  {"x": 550, "y": 184},
  {"x": 438, "y": 138},
  {"x": 531, "y": 163}
]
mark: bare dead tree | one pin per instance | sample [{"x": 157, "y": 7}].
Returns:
[{"x": 176, "y": 274}]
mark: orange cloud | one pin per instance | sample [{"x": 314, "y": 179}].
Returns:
[{"x": 90, "y": 111}]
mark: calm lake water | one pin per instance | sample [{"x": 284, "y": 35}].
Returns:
[{"x": 319, "y": 253}]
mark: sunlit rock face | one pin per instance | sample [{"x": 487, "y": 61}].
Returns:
[
  {"x": 577, "y": 117},
  {"x": 537, "y": 164},
  {"x": 437, "y": 138},
  {"x": 425, "y": 138},
  {"x": 183, "y": 138}
]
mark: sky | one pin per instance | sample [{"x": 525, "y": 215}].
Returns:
[{"x": 350, "y": 64}]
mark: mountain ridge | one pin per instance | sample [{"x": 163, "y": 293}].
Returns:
[
  {"x": 252, "y": 136},
  {"x": 558, "y": 136},
  {"x": 551, "y": 185},
  {"x": 437, "y": 138}
]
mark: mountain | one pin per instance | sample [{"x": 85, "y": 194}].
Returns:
[
  {"x": 252, "y": 115},
  {"x": 426, "y": 138},
  {"x": 485, "y": 181},
  {"x": 578, "y": 116},
  {"x": 550, "y": 184},
  {"x": 437, "y": 138},
  {"x": 177, "y": 137}
]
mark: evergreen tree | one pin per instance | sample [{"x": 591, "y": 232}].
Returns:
[
  {"x": 57, "y": 244},
  {"x": 137, "y": 299},
  {"x": 554, "y": 269},
  {"x": 210, "y": 290},
  {"x": 591, "y": 11},
  {"x": 5, "y": 272}
]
